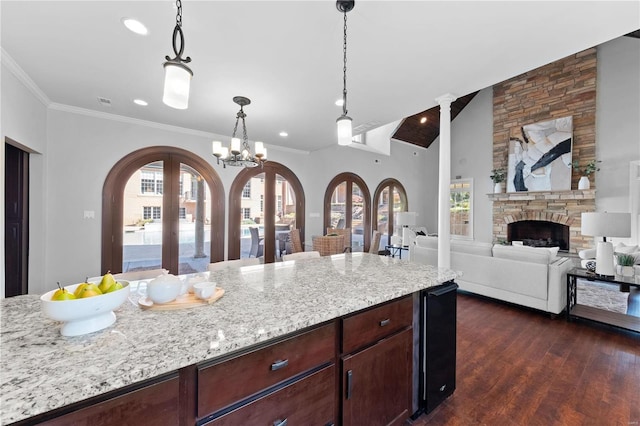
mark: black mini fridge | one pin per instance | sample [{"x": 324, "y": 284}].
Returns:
[{"x": 438, "y": 345}]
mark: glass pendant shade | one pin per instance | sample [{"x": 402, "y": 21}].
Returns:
[
  {"x": 235, "y": 146},
  {"x": 216, "y": 148},
  {"x": 345, "y": 134},
  {"x": 177, "y": 81}
]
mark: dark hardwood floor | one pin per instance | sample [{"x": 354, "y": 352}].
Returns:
[{"x": 520, "y": 367}]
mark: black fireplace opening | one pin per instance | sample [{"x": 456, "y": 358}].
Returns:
[{"x": 539, "y": 233}]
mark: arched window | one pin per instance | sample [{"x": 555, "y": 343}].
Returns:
[
  {"x": 389, "y": 198},
  {"x": 162, "y": 207},
  {"x": 347, "y": 205},
  {"x": 271, "y": 201}
]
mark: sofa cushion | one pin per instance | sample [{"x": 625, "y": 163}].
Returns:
[
  {"x": 622, "y": 248},
  {"x": 427, "y": 242},
  {"x": 543, "y": 255},
  {"x": 471, "y": 247}
]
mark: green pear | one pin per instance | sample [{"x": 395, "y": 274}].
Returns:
[
  {"x": 107, "y": 282},
  {"x": 116, "y": 286},
  {"x": 62, "y": 294}
]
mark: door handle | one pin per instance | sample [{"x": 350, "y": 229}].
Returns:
[{"x": 349, "y": 383}]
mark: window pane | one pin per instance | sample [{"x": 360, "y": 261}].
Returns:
[
  {"x": 194, "y": 220},
  {"x": 383, "y": 212},
  {"x": 357, "y": 218},
  {"x": 285, "y": 214},
  {"x": 252, "y": 215},
  {"x": 460, "y": 208},
  {"x": 338, "y": 206},
  {"x": 142, "y": 233}
]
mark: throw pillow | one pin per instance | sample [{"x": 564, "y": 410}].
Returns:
[
  {"x": 424, "y": 234},
  {"x": 622, "y": 248}
]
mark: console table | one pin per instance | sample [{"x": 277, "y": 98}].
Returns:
[{"x": 576, "y": 310}]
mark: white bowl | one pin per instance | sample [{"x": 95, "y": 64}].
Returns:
[{"x": 82, "y": 316}]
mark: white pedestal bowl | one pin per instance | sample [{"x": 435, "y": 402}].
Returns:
[{"x": 82, "y": 316}]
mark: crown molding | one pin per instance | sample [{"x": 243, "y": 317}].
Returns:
[
  {"x": 153, "y": 124},
  {"x": 23, "y": 77}
]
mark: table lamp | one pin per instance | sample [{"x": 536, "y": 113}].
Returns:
[
  {"x": 406, "y": 219},
  {"x": 606, "y": 225}
]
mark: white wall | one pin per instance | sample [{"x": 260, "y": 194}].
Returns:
[
  {"x": 617, "y": 121},
  {"x": 24, "y": 116}
]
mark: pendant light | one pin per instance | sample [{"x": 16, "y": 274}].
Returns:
[
  {"x": 239, "y": 153},
  {"x": 345, "y": 132},
  {"x": 177, "y": 76}
]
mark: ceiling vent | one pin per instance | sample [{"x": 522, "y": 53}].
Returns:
[{"x": 104, "y": 101}]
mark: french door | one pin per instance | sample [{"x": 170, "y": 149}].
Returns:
[{"x": 163, "y": 207}]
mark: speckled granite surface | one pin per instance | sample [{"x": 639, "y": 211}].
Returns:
[{"x": 42, "y": 370}]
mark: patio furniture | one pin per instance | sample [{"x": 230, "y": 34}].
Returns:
[
  {"x": 257, "y": 243},
  {"x": 295, "y": 242},
  {"x": 374, "y": 248},
  {"x": 346, "y": 233},
  {"x": 328, "y": 244}
]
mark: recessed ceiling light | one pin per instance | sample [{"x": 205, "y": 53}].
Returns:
[
  {"x": 135, "y": 26},
  {"x": 284, "y": 134},
  {"x": 340, "y": 102},
  {"x": 423, "y": 120},
  {"x": 140, "y": 102}
]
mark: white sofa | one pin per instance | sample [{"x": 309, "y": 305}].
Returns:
[{"x": 527, "y": 276}]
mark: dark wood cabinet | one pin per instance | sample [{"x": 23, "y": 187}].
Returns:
[
  {"x": 225, "y": 383},
  {"x": 308, "y": 401},
  {"x": 156, "y": 404},
  {"x": 377, "y": 380}
]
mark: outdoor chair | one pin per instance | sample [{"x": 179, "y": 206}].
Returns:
[{"x": 257, "y": 243}]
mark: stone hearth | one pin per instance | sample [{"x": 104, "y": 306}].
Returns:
[{"x": 563, "y": 207}]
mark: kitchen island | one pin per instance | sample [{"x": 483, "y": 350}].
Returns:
[{"x": 43, "y": 371}]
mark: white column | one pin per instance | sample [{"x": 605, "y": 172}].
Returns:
[{"x": 444, "y": 168}]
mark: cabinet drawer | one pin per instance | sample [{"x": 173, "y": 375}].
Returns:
[
  {"x": 367, "y": 327},
  {"x": 310, "y": 401},
  {"x": 152, "y": 405},
  {"x": 230, "y": 381}
]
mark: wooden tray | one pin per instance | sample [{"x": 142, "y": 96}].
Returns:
[{"x": 185, "y": 301}]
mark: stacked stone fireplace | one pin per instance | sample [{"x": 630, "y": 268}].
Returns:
[
  {"x": 561, "y": 211},
  {"x": 559, "y": 89}
]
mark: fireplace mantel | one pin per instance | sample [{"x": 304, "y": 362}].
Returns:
[{"x": 578, "y": 194}]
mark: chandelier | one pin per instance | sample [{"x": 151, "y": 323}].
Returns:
[
  {"x": 239, "y": 153},
  {"x": 345, "y": 131},
  {"x": 177, "y": 76}
]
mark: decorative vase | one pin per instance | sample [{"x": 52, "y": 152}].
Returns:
[
  {"x": 497, "y": 188},
  {"x": 625, "y": 271},
  {"x": 583, "y": 183}
]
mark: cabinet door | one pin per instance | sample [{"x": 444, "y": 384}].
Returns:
[{"x": 376, "y": 382}]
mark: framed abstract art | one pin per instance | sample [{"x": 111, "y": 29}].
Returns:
[{"x": 540, "y": 156}]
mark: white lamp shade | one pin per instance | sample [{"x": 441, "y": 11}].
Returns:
[
  {"x": 606, "y": 224},
  {"x": 235, "y": 146},
  {"x": 177, "y": 81},
  {"x": 259, "y": 146},
  {"x": 216, "y": 148},
  {"x": 225, "y": 152},
  {"x": 264, "y": 153},
  {"x": 345, "y": 133}
]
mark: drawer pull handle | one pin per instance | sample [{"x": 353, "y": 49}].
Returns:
[
  {"x": 349, "y": 381},
  {"x": 385, "y": 322},
  {"x": 280, "y": 422},
  {"x": 278, "y": 365}
]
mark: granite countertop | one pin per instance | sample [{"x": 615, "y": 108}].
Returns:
[{"x": 43, "y": 370}]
